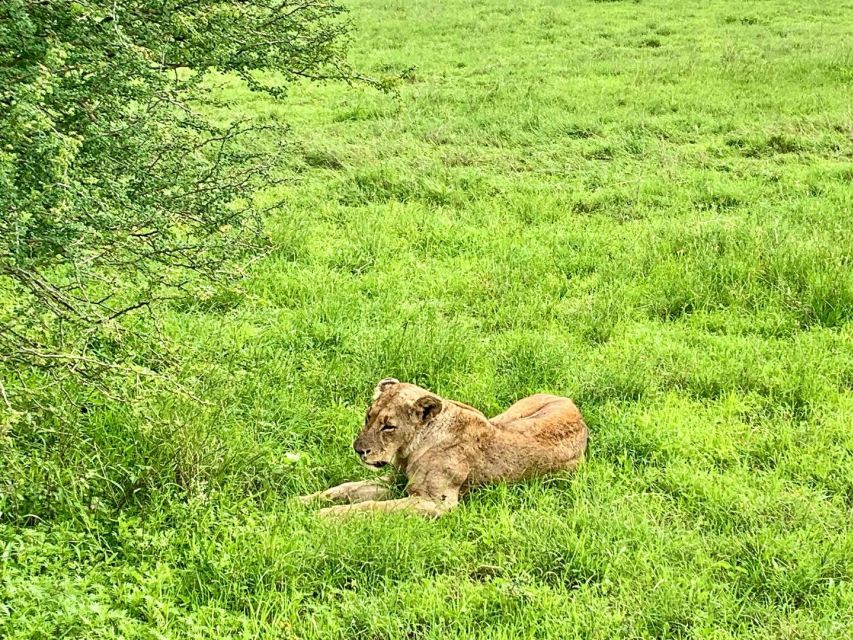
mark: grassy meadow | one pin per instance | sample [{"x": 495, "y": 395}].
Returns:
[{"x": 646, "y": 206}]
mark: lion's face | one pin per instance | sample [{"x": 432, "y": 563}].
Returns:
[{"x": 398, "y": 411}]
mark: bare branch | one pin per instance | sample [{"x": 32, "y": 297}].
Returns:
[{"x": 5, "y": 397}]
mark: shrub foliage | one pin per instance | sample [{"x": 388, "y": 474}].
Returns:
[{"x": 122, "y": 181}]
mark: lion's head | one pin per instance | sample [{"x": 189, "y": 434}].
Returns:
[{"x": 398, "y": 411}]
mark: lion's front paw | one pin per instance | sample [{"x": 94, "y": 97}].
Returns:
[{"x": 311, "y": 498}]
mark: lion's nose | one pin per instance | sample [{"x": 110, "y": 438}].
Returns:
[{"x": 361, "y": 452}]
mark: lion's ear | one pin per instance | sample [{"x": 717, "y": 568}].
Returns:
[
  {"x": 427, "y": 407},
  {"x": 383, "y": 385}
]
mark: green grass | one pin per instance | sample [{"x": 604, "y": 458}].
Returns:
[{"x": 646, "y": 206}]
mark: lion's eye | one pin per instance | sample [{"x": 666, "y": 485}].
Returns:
[{"x": 388, "y": 427}]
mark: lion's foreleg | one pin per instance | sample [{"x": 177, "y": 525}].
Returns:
[
  {"x": 352, "y": 492},
  {"x": 426, "y": 507}
]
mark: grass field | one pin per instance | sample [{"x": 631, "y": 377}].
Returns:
[{"x": 646, "y": 206}]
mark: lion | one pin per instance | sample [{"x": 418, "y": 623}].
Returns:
[{"x": 445, "y": 448}]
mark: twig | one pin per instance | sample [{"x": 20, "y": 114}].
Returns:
[{"x": 133, "y": 307}]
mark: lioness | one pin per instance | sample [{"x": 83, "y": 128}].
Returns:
[{"x": 445, "y": 447}]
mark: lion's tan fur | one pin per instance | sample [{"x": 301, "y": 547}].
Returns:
[{"x": 445, "y": 447}]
